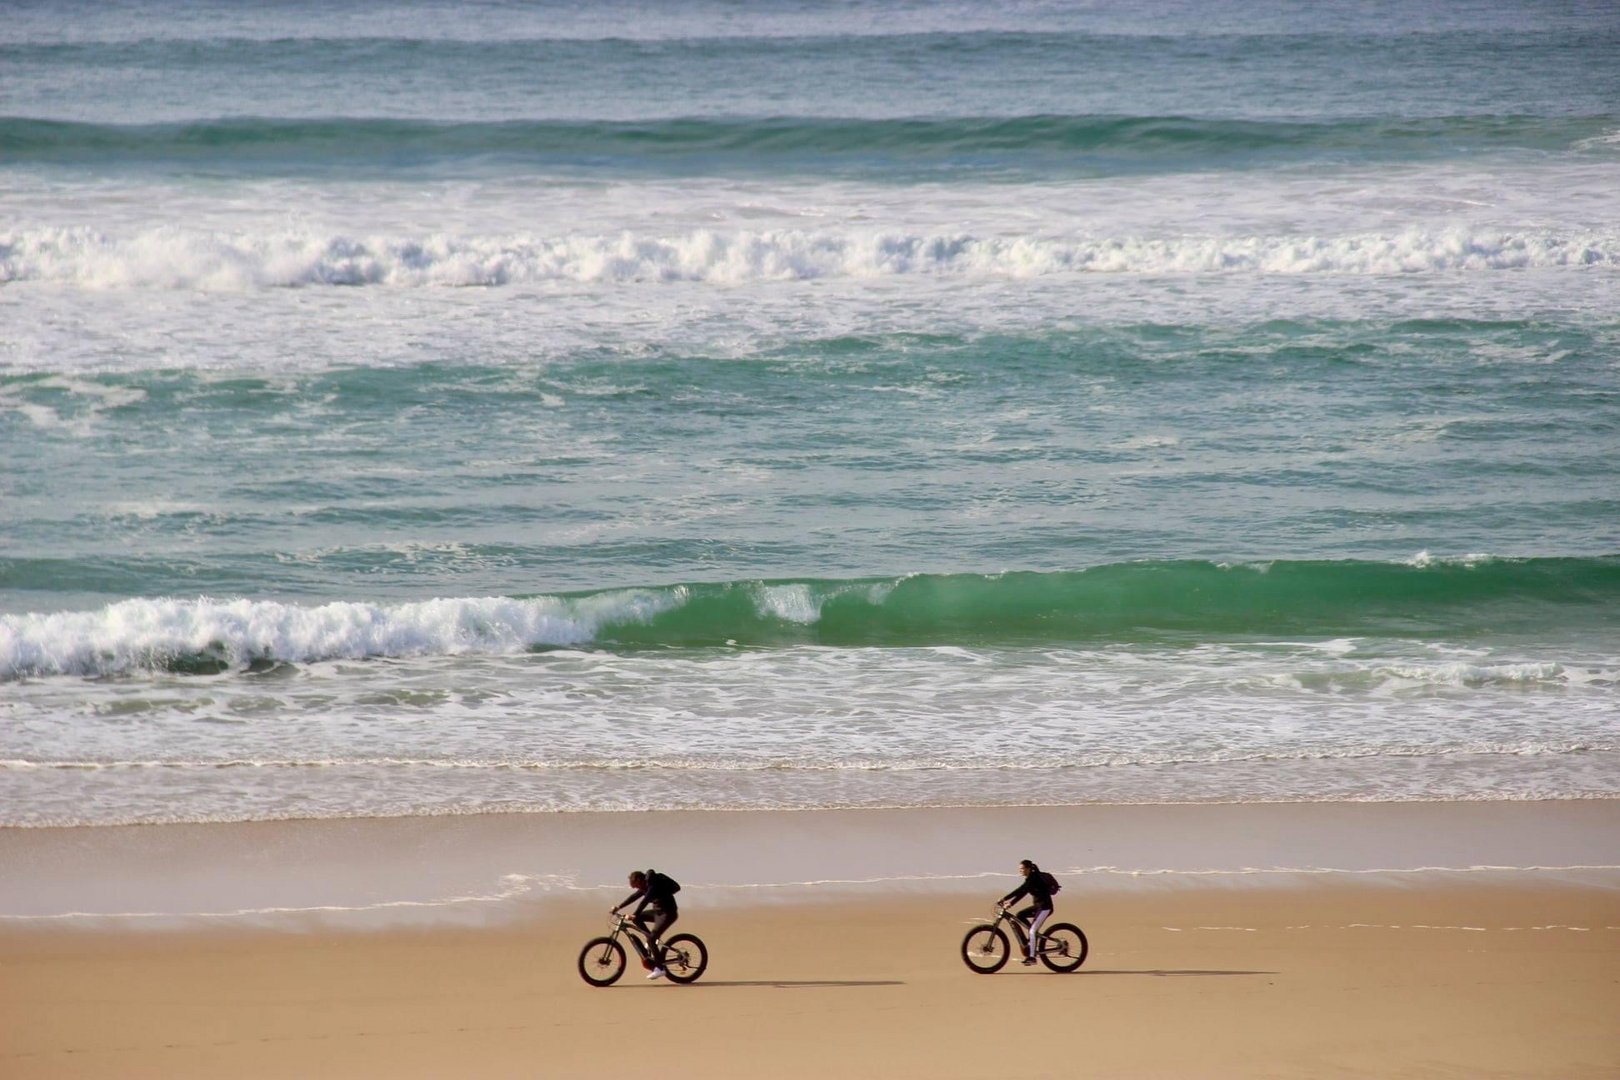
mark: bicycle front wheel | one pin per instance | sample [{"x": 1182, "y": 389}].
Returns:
[
  {"x": 601, "y": 961},
  {"x": 1063, "y": 946},
  {"x": 685, "y": 958},
  {"x": 984, "y": 949}
]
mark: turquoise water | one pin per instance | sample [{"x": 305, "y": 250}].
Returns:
[{"x": 410, "y": 409}]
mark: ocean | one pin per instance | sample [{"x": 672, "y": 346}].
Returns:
[{"x": 433, "y": 408}]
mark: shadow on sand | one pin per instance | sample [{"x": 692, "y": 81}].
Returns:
[
  {"x": 1169, "y": 972},
  {"x": 796, "y": 984}
]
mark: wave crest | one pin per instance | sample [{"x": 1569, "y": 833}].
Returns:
[
  {"x": 173, "y": 258},
  {"x": 1182, "y": 602},
  {"x": 207, "y": 636}
]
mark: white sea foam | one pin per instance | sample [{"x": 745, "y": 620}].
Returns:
[
  {"x": 1460, "y": 674},
  {"x": 1042, "y": 762},
  {"x": 465, "y": 718},
  {"x": 514, "y": 888},
  {"x": 81, "y": 403},
  {"x": 180, "y": 258},
  {"x": 511, "y": 887},
  {"x": 1605, "y": 141},
  {"x": 150, "y": 633},
  {"x": 794, "y": 603},
  {"x": 1423, "y": 560}
]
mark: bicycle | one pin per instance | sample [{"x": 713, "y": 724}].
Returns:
[
  {"x": 602, "y": 960},
  {"x": 1062, "y": 946}
]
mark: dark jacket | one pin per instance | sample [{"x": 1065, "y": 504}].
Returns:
[
  {"x": 656, "y": 893},
  {"x": 1035, "y": 887}
]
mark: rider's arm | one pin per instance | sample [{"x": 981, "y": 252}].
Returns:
[
  {"x": 627, "y": 901},
  {"x": 1016, "y": 895}
]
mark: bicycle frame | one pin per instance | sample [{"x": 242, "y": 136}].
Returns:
[
  {"x": 636, "y": 935},
  {"x": 1020, "y": 931}
]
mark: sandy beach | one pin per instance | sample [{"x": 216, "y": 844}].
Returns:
[{"x": 1511, "y": 971}]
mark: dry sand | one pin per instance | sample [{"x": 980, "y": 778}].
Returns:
[{"x": 1416, "y": 975}]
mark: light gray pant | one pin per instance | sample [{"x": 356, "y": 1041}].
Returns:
[{"x": 1034, "y": 917}]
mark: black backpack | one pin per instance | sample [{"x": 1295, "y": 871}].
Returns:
[
  {"x": 667, "y": 883},
  {"x": 1052, "y": 885}
]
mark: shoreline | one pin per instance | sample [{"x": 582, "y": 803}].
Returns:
[
  {"x": 476, "y": 870},
  {"x": 853, "y": 808}
]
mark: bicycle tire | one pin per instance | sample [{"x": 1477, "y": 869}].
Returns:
[
  {"x": 1064, "y": 947},
  {"x": 601, "y": 961},
  {"x": 985, "y": 949},
  {"x": 686, "y": 958}
]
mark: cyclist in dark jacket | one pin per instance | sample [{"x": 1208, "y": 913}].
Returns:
[
  {"x": 1038, "y": 887},
  {"x": 656, "y": 912}
]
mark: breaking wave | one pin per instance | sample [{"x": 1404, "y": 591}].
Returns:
[
  {"x": 175, "y": 258},
  {"x": 1134, "y": 602}
]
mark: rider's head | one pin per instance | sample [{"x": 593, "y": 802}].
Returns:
[
  {"x": 637, "y": 879},
  {"x": 1028, "y": 867}
]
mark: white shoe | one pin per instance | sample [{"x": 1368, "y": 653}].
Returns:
[{"x": 657, "y": 973}]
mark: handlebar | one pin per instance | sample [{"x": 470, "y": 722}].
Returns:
[{"x": 617, "y": 920}]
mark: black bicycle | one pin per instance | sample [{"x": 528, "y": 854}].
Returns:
[
  {"x": 1062, "y": 947},
  {"x": 684, "y": 956}
]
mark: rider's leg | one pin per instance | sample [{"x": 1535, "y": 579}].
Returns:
[
  {"x": 1026, "y": 940},
  {"x": 1037, "y": 917},
  {"x": 642, "y": 919},
  {"x": 661, "y": 921}
]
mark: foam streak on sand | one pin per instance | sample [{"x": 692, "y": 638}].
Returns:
[{"x": 553, "y": 887}]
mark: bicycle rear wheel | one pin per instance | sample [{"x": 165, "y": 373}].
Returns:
[
  {"x": 985, "y": 949},
  {"x": 601, "y": 961},
  {"x": 1063, "y": 946},
  {"x": 685, "y": 958}
]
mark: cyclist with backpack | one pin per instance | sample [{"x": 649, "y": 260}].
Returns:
[
  {"x": 657, "y": 910},
  {"x": 1038, "y": 886}
]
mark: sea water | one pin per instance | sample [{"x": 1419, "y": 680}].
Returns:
[{"x": 423, "y": 408}]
